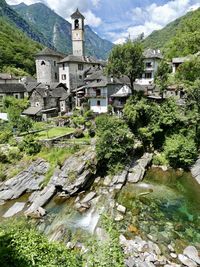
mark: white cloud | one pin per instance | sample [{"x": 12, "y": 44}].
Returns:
[
  {"x": 66, "y": 7},
  {"x": 155, "y": 17},
  {"x": 91, "y": 19}
]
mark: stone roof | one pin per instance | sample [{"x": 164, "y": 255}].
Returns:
[
  {"x": 12, "y": 88},
  {"x": 31, "y": 86},
  {"x": 57, "y": 92},
  {"x": 179, "y": 59},
  {"x": 32, "y": 110},
  {"x": 83, "y": 59},
  {"x": 77, "y": 15},
  {"x": 49, "y": 52},
  {"x": 124, "y": 91},
  {"x": 8, "y": 76},
  {"x": 151, "y": 53}
]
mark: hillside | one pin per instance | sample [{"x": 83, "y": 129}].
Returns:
[
  {"x": 16, "y": 49},
  {"x": 13, "y": 17},
  {"x": 179, "y": 38},
  {"x": 58, "y": 31}
]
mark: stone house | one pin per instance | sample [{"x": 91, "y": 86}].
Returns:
[
  {"x": 48, "y": 101},
  {"x": 16, "y": 90},
  {"x": 152, "y": 59},
  {"x": 98, "y": 89}
]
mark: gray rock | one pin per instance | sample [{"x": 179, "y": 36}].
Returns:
[
  {"x": 137, "y": 170},
  {"x": 76, "y": 172},
  {"x": 26, "y": 181},
  {"x": 173, "y": 255},
  {"x": 119, "y": 180},
  {"x": 195, "y": 170},
  {"x": 192, "y": 253},
  {"x": 186, "y": 261},
  {"x": 88, "y": 197},
  {"x": 45, "y": 195},
  {"x": 36, "y": 213},
  {"x": 121, "y": 209},
  {"x": 119, "y": 217},
  {"x": 17, "y": 207}
]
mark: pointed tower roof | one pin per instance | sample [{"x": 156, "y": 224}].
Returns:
[
  {"x": 77, "y": 15},
  {"x": 49, "y": 52}
]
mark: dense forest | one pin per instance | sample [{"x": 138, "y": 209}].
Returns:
[
  {"x": 179, "y": 38},
  {"x": 16, "y": 50}
]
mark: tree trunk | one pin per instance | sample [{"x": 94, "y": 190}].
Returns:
[{"x": 132, "y": 85}]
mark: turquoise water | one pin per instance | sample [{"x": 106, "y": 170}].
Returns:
[{"x": 166, "y": 206}]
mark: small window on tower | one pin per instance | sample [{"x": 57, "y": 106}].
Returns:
[
  {"x": 56, "y": 76},
  {"x": 54, "y": 63},
  {"x": 98, "y": 103},
  {"x": 76, "y": 24},
  {"x": 80, "y": 66},
  {"x": 43, "y": 63}
]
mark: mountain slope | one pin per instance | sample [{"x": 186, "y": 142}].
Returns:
[
  {"x": 13, "y": 17},
  {"x": 179, "y": 38},
  {"x": 58, "y": 31},
  {"x": 16, "y": 49}
]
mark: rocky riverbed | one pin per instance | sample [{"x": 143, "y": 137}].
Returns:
[{"x": 158, "y": 217}]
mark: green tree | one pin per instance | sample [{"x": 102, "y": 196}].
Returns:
[
  {"x": 162, "y": 74},
  {"x": 115, "y": 141},
  {"x": 126, "y": 59},
  {"x": 189, "y": 71}
]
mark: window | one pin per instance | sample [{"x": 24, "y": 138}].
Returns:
[
  {"x": 63, "y": 66},
  {"x": 37, "y": 104},
  {"x": 148, "y": 64},
  {"x": 56, "y": 76},
  {"x": 76, "y": 24},
  {"x": 98, "y": 103},
  {"x": 80, "y": 66},
  {"x": 43, "y": 63},
  {"x": 54, "y": 63},
  {"x": 63, "y": 77},
  {"x": 98, "y": 92},
  {"x": 16, "y": 96},
  {"x": 80, "y": 77},
  {"x": 148, "y": 75}
]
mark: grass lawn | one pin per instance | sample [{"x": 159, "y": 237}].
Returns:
[{"x": 54, "y": 132}]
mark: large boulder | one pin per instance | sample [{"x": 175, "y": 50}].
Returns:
[
  {"x": 17, "y": 207},
  {"x": 138, "y": 168},
  {"x": 76, "y": 172},
  {"x": 26, "y": 181}
]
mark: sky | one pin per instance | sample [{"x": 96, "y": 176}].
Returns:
[{"x": 116, "y": 20}]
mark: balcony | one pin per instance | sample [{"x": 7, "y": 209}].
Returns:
[{"x": 94, "y": 95}]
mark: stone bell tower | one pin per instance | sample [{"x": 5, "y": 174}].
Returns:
[{"x": 78, "y": 40}]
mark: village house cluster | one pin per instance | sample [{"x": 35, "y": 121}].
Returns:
[{"x": 64, "y": 82}]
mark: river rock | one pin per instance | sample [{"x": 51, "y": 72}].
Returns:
[
  {"x": 121, "y": 209},
  {"x": 44, "y": 196},
  {"x": 137, "y": 170},
  {"x": 36, "y": 213},
  {"x": 119, "y": 217},
  {"x": 17, "y": 207},
  {"x": 88, "y": 197},
  {"x": 76, "y": 172},
  {"x": 195, "y": 170},
  {"x": 192, "y": 253},
  {"x": 119, "y": 180},
  {"x": 186, "y": 261},
  {"x": 26, "y": 181}
]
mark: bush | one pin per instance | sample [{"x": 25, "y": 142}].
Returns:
[
  {"x": 21, "y": 245},
  {"x": 160, "y": 160},
  {"x": 78, "y": 133},
  {"x": 180, "y": 150},
  {"x": 5, "y": 135},
  {"x": 14, "y": 154},
  {"x": 30, "y": 145}
]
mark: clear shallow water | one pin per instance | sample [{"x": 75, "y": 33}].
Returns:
[{"x": 166, "y": 206}]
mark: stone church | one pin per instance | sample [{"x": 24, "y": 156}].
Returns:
[{"x": 70, "y": 70}]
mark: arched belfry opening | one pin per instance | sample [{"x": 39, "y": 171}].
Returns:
[{"x": 76, "y": 24}]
